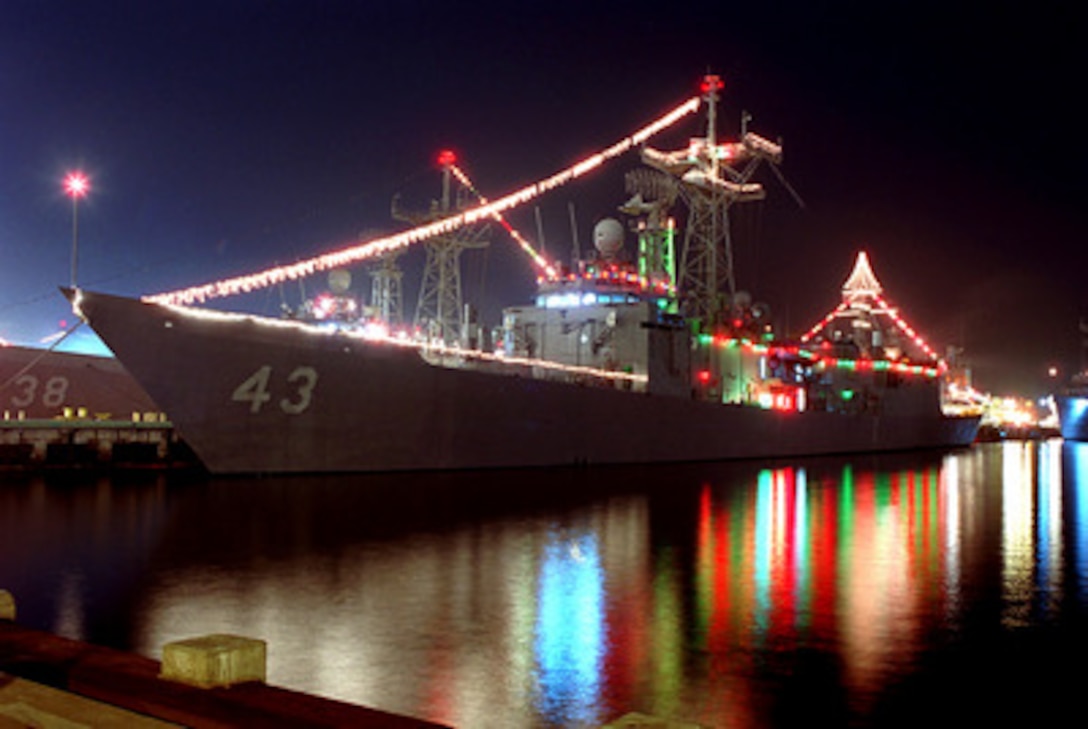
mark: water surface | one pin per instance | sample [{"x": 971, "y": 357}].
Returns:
[{"x": 877, "y": 590}]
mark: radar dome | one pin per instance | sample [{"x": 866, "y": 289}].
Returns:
[
  {"x": 339, "y": 280},
  {"x": 608, "y": 237}
]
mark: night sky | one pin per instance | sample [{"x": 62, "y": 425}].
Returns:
[{"x": 225, "y": 137}]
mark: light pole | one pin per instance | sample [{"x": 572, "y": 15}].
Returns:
[{"x": 76, "y": 185}]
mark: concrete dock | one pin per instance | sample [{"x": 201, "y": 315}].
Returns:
[
  {"x": 49, "y": 681},
  {"x": 82, "y": 443}
]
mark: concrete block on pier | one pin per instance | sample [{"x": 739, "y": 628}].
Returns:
[
  {"x": 214, "y": 661},
  {"x": 7, "y": 606}
]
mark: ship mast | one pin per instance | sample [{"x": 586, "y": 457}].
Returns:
[
  {"x": 710, "y": 181},
  {"x": 385, "y": 288},
  {"x": 439, "y": 314}
]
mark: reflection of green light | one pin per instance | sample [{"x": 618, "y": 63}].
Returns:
[
  {"x": 847, "y": 364},
  {"x": 847, "y": 394},
  {"x": 846, "y": 522},
  {"x": 933, "y": 512},
  {"x": 803, "y": 551},
  {"x": 668, "y": 643},
  {"x": 880, "y": 365},
  {"x": 761, "y": 562},
  {"x": 882, "y": 492}
]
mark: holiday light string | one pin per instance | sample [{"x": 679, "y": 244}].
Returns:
[
  {"x": 822, "y": 323},
  {"x": 538, "y": 259},
  {"x": 862, "y": 364},
  {"x": 894, "y": 316},
  {"x": 381, "y": 246},
  {"x": 427, "y": 349},
  {"x": 909, "y": 331}
]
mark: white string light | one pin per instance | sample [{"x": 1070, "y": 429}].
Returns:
[
  {"x": 538, "y": 259},
  {"x": 426, "y": 349},
  {"x": 380, "y": 246}
]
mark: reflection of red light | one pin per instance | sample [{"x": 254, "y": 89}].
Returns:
[{"x": 447, "y": 158}]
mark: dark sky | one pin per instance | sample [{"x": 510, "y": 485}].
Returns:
[{"x": 224, "y": 137}]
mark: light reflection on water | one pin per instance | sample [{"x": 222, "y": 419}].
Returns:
[{"x": 865, "y": 590}]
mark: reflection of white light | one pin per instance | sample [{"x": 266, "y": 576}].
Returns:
[{"x": 1017, "y": 542}]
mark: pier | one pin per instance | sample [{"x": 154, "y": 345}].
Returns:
[
  {"x": 211, "y": 681},
  {"x": 147, "y": 441}
]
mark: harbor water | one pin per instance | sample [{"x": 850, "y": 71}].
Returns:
[{"x": 888, "y": 590}]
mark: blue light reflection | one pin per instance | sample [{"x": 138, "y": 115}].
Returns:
[{"x": 570, "y": 630}]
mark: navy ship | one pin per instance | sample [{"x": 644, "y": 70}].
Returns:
[
  {"x": 1072, "y": 406},
  {"x": 38, "y": 384},
  {"x": 622, "y": 357},
  {"x": 1071, "y": 401}
]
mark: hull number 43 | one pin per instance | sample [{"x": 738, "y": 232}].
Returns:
[{"x": 298, "y": 386}]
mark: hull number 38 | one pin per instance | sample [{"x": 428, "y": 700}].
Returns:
[{"x": 297, "y": 389}]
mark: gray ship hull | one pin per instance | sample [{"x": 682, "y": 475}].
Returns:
[
  {"x": 43, "y": 384},
  {"x": 260, "y": 396},
  {"x": 1072, "y": 416}
]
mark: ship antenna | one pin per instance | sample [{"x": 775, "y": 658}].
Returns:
[
  {"x": 574, "y": 234},
  {"x": 540, "y": 231}
]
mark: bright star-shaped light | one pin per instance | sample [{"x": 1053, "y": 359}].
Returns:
[{"x": 76, "y": 184}]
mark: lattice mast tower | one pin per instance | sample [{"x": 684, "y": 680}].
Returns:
[
  {"x": 385, "y": 287},
  {"x": 439, "y": 311},
  {"x": 710, "y": 181}
]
